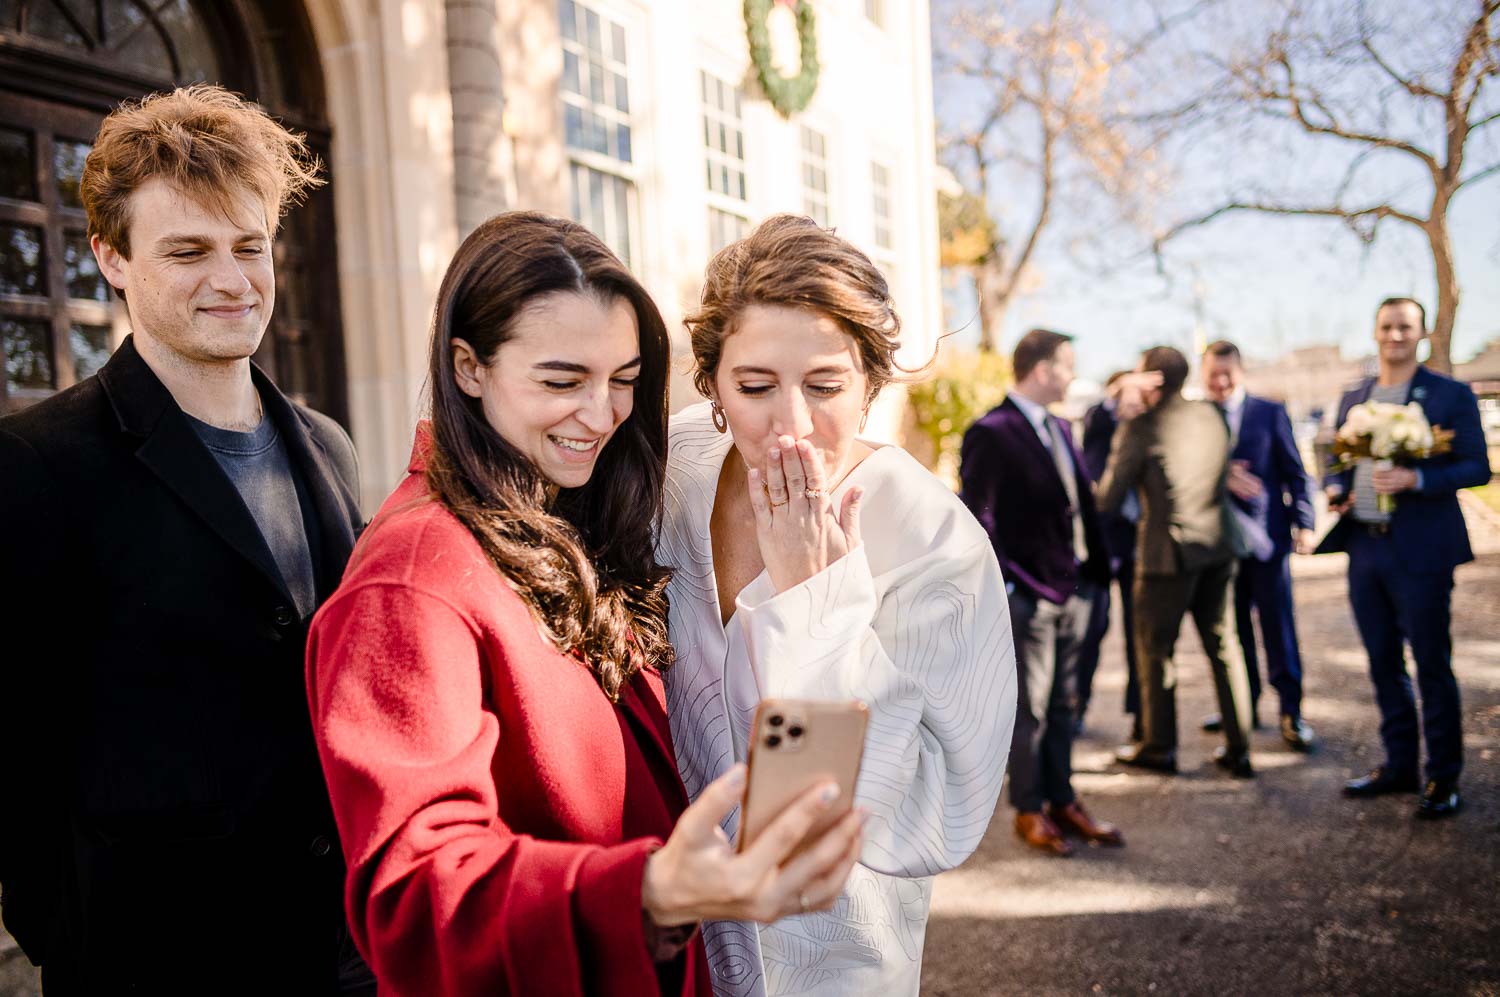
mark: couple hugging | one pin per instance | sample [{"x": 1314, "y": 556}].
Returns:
[{"x": 496, "y": 745}]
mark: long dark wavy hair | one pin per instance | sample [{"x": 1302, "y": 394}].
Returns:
[{"x": 585, "y": 560}]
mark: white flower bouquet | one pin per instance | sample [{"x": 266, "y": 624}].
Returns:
[{"x": 1390, "y": 435}]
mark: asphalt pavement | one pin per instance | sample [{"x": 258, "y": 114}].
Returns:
[{"x": 1272, "y": 886}]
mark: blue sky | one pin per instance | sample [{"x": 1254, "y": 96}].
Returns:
[{"x": 1268, "y": 283}]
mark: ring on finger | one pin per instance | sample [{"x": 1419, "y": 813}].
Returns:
[
  {"x": 777, "y": 505},
  {"x": 812, "y": 493},
  {"x": 802, "y": 900}
]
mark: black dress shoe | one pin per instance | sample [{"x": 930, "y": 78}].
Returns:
[
  {"x": 1297, "y": 734},
  {"x": 1141, "y": 757},
  {"x": 1439, "y": 799},
  {"x": 1236, "y": 763},
  {"x": 1137, "y": 732},
  {"x": 1381, "y": 781},
  {"x": 1213, "y": 723}
]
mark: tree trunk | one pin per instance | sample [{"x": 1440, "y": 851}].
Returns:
[
  {"x": 992, "y": 301},
  {"x": 1447, "y": 294}
]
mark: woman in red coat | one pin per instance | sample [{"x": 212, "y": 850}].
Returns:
[{"x": 485, "y": 685}]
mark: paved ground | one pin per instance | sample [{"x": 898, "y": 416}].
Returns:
[
  {"x": 1279, "y": 886},
  {"x": 1274, "y": 887}
]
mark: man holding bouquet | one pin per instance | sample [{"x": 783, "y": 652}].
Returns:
[{"x": 1404, "y": 532}]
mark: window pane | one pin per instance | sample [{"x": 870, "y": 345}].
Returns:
[
  {"x": 570, "y": 78},
  {"x": 596, "y": 81},
  {"x": 21, "y": 260},
  {"x": 566, "y": 17},
  {"x": 17, "y": 165},
  {"x": 90, "y": 345},
  {"x": 622, "y": 137},
  {"x": 142, "y": 48},
  {"x": 622, "y": 94},
  {"x": 621, "y": 226},
  {"x": 617, "y": 44},
  {"x": 593, "y": 38},
  {"x": 67, "y": 164},
  {"x": 195, "y": 53},
  {"x": 81, "y": 269},
  {"x": 45, "y": 21},
  {"x": 573, "y": 125},
  {"x": 28, "y": 352},
  {"x": 596, "y": 202}
]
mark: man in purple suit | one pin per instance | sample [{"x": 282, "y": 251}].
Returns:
[{"x": 1026, "y": 484}]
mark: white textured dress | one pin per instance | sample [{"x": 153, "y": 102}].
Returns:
[{"x": 915, "y": 623}]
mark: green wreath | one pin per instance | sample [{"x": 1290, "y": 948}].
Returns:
[{"x": 788, "y": 94}]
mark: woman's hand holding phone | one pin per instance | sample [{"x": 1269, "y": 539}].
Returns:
[{"x": 697, "y": 875}]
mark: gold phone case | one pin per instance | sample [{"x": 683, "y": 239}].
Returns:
[{"x": 794, "y": 745}]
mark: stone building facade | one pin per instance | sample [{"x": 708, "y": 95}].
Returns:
[{"x": 641, "y": 118}]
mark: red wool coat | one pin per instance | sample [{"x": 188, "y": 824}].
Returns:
[{"x": 496, "y": 810}]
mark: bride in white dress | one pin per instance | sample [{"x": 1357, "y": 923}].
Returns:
[{"x": 811, "y": 564}]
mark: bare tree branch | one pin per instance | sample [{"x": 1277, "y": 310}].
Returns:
[{"x": 1488, "y": 171}]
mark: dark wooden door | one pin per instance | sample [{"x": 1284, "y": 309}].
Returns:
[{"x": 63, "y": 65}]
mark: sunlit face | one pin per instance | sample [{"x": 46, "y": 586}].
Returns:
[
  {"x": 198, "y": 284},
  {"x": 561, "y": 385},
  {"x": 1221, "y": 376},
  {"x": 1398, "y": 330},
  {"x": 1051, "y": 378},
  {"x": 791, "y": 372}
]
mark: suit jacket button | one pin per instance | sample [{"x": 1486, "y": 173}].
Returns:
[
  {"x": 283, "y": 616},
  {"x": 320, "y": 846}
]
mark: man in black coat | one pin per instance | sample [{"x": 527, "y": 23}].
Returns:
[
  {"x": 171, "y": 526},
  {"x": 1119, "y": 529}
]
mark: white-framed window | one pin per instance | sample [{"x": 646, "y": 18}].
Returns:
[
  {"x": 597, "y": 125},
  {"x": 881, "y": 205},
  {"x": 725, "y": 227},
  {"x": 815, "y": 175},
  {"x": 724, "y": 161}
]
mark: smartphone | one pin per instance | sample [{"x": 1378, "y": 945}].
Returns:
[{"x": 794, "y": 745}]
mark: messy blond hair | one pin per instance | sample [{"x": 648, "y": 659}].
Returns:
[
  {"x": 790, "y": 261},
  {"x": 204, "y": 141}
]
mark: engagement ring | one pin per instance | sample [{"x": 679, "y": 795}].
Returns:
[{"x": 812, "y": 493}]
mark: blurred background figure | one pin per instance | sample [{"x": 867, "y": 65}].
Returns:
[
  {"x": 1026, "y": 484},
  {"x": 1176, "y": 452},
  {"x": 1119, "y": 530},
  {"x": 1401, "y": 563},
  {"x": 1271, "y": 495}
]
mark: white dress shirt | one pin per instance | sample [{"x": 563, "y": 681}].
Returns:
[{"x": 914, "y": 622}]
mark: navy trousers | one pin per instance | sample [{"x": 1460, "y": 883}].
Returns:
[
  {"x": 1265, "y": 587},
  {"x": 1088, "y": 659},
  {"x": 1396, "y": 605}
]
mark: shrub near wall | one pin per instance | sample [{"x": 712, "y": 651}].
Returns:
[{"x": 963, "y": 387}]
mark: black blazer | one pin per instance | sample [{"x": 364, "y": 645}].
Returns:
[
  {"x": 167, "y": 828},
  {"x": 1099, "y": 425}
]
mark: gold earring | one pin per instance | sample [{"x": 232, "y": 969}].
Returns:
[
  {"x": 864, "y": 419},
  {"x": 721, "y": 421}
]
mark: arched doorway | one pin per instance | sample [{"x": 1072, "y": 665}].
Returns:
[{"x": 63, "y": 65}]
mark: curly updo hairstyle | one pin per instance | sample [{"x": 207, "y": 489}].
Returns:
[
  {"x": 584, "y": 561},
  {"x": 791, "y": 262}
]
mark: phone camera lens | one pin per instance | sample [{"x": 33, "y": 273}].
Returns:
[
  {"x": 794, "y": 731},
  {"x": 776, "y": 720},
  {"x": 772, "y": 740}
]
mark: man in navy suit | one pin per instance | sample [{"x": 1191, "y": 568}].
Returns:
[
  {"x": 1026, "y": 484},
  {"x": 1272, "y": 496},
  {"x": 1401, "y": 563},
  {"x": 1119, "y": 529}
]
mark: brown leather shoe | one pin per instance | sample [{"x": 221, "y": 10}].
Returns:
[
  {"x": 1073, "y": 819},
  {"x": 1039, "y": 832}
]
